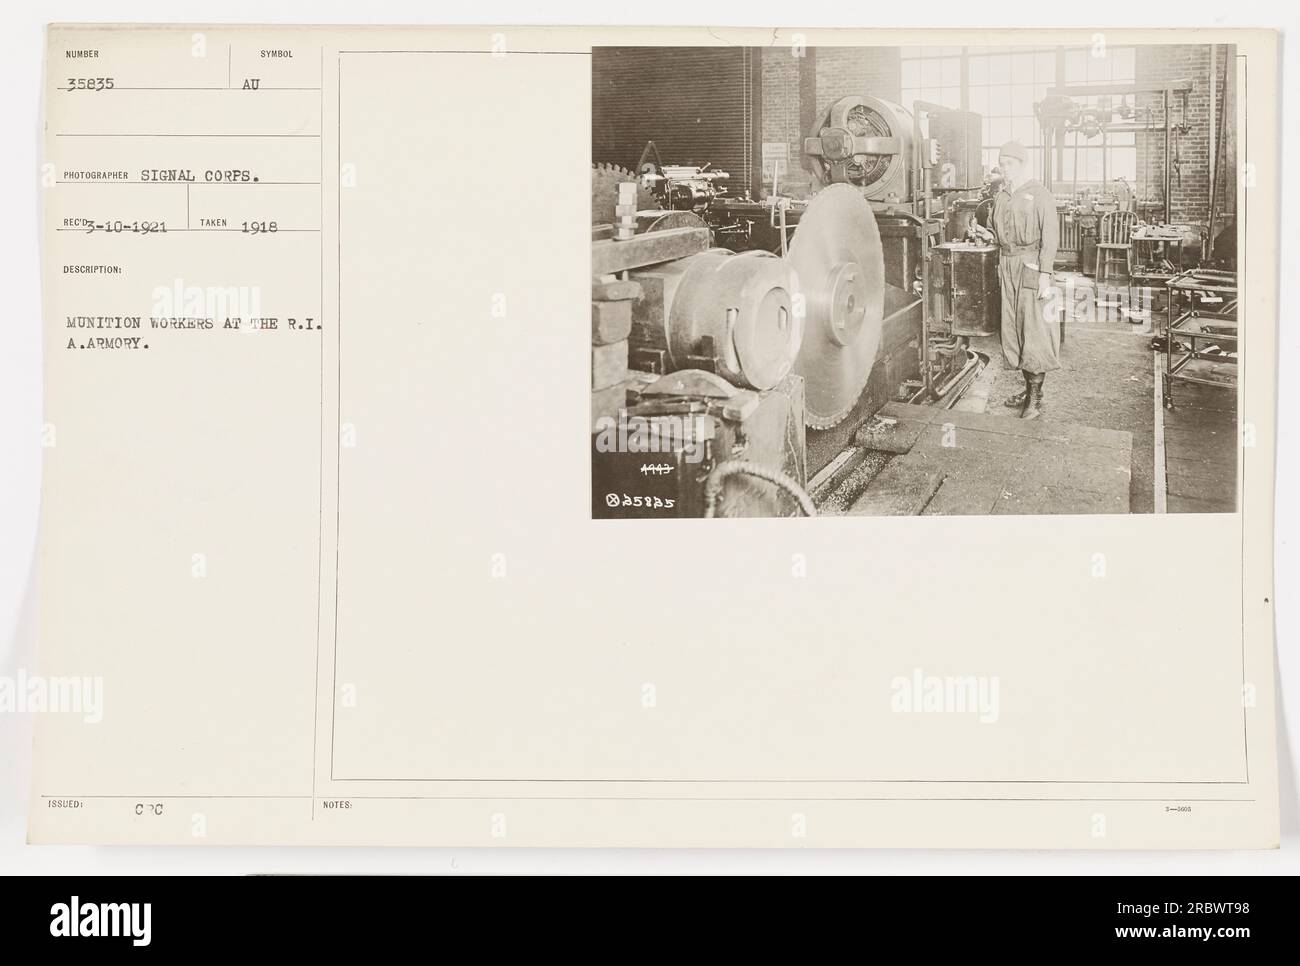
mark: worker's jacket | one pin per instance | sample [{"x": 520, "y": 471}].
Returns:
[{"x": 1025, "y": 222}]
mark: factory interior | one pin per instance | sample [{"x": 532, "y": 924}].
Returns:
[{"x": 797, "y": 275}]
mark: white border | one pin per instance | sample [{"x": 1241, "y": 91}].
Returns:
[{"x": 22, "y": 45}]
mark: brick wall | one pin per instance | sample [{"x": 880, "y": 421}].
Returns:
[
  {"x": 1190, "y": 190},
  {"x": 824, "y": 75},
  {"x": 842, "y": 71},
  {"x": 780, "y": 113}
]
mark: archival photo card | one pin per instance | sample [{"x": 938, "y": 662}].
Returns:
[{"x": 358, "y": 534}]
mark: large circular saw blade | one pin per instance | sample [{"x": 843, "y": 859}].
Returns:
[{"x": 839, "y": 269}]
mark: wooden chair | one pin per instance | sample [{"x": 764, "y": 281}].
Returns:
[{"x": 1114, "y": 235}]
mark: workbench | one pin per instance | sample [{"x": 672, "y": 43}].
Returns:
[{"x": 1159, "y": 253}]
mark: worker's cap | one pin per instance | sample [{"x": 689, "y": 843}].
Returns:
[{"x": 1013, "y": 149}]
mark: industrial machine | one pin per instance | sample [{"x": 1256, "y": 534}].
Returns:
[
  {"x": 967, "y": 292},
  {"x": 763, "y": 333},
  {"x": 691, "y": 444},
  {"x": 867, "y": 142},
  {"x": 726, "y": 313},
  {"x": 895, "y": 155},
  {"x": 1089, "y": 112}
]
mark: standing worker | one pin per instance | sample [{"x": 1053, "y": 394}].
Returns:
[{"x": 1024, "y": 220}]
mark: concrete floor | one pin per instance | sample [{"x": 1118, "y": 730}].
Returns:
[
  {"x": 1106, "y": 380},
  {"x": 953, "y": 462},
  {"x": 1201, "y": 449},
  {"x": 1101, "y": 421}
]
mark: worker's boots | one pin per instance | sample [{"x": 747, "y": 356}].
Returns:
[
  {"x": 1034, "y": 404},
  {"x": 1019, "y": 399}
]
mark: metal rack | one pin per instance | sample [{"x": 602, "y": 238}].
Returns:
[
  {"x": 1198, "y": 327},
  {"x": 1153, "y": 248}
]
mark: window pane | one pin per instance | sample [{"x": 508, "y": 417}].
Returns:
[
  {"x": 1000, "y": 100},
  {"x": 1022, "y": 68},
  {"x": 1076, "y": 67},
  {"x": 1045, "y": 68},
  {"x": 1004, "y": 83}
]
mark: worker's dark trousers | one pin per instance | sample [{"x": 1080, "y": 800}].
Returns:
[{"x": 1030, "y": 339}]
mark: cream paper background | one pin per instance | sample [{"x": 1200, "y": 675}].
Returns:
[{"x": 355, "y": 641}]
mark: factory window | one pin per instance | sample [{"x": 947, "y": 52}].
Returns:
[
  {"x": 931, "y": 74},
  {"x": 1092, "y": 161},
  {"x": 1100, "y": 65},
  {"x": 1005, "y": 83},
  {"x": 1097, "y": 164},
  {"x": 1002, "y": 84}
]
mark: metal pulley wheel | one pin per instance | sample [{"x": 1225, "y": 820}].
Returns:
[
  {"x": 865, "y": 141},
  {"x": 734, "y": 315},
  {"x": 839, "y": 270}
]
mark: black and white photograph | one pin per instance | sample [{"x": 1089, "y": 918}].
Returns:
[
  {"x": 905, "y": 280},
  {"x": 330, "y": 557}
]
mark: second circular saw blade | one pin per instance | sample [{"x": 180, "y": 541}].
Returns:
[{"x": 605, "y": 179}]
